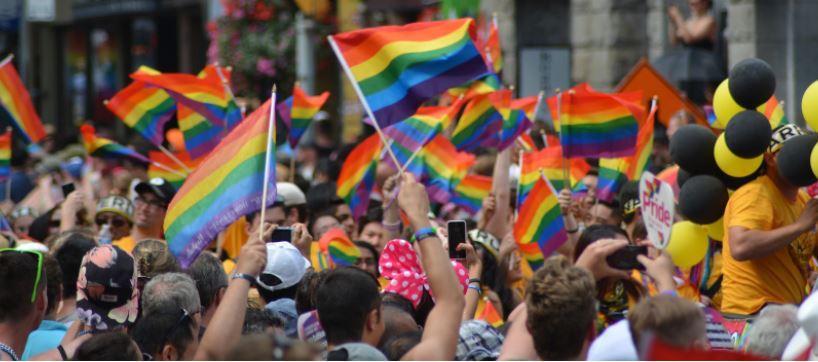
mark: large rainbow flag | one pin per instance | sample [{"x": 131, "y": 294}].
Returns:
[
  {"x": 15, "y": 100},
  {"x": 397, "y": 68},
  {"x": 470, "y": 192},
  {"x": 515, "y": 121},
  {"x": 170, "y": 169},
  {"x": 206, "y": 95},
  {"x": 5, "y": 155},
  {"x": 595, "y": 124},
  {"x": 615, "y": 172},
  {"x": 105, "y": 148},
  {"x": 357, "y": 177},
  {"x": 479, "y": 126},
  {"x": 539, "y": 223},
  {"x": 297, "y": 111},
  {"x": 145, "y": 109},
  {"x": 224, "y": 187},
  {"x": 548, "y": 162}
]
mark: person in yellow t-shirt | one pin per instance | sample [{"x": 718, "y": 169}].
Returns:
[
  {"x": 150, "y": 206},
  {"x": 769, "y": 238}
]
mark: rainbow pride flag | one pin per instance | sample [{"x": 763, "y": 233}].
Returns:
[
  {"x": 357, "y": 177},
  {"x": 478, "y": 124},
  {"x": 469, "y": 90},
  {"x": 515, "y": 121},
  {"x": 341, "y": 250},
  {"x": 539, "y": 223},
  {"x": 527, "y": 143},
  {"x": 205, "y": 95},
  {"x": 470, "y": 192},
  {"x": 595, "y": 124},
  {"x": 227, "y": 185},
  {"x": 176, "y": 175},
  {"x": 145, "y": 109},
  {"x": 442, "y": 168},
  {"x": 494, "y": 54},
  {"x": 297, "y": 111},
  {"x": 774, "y": 111},
  {"x": 200, "y": 135},
  {"x": 15, "y": 100},
  {"x": 615, "y": 172},
  {"x": 486, "y": 312},
  {"x": 397, "y": 68},
  {"x": 412, "y": 134},
  {"x": 549, "y": 162},
  {"x": 5, "y": 155},
  {"x": 528, "y": 105},
  {"x": 105, "y": 148}
]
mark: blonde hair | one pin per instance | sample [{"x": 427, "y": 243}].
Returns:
[
  {"x": 672, "y": 320},
  {"x": 153, "y": 258}
]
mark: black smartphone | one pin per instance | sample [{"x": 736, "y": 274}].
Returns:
[
  {"x": 68, "y": 188},
  {"x": 625, "y": 258},
  {"x": 457, "y": 235},
  {"x": 280, "y": 234}
]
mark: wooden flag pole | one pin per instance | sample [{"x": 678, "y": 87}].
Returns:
[
  {"x": 173, "y": 157},
  {"x": 227, "y": 88},
  {"x": 519, "y": 183},
  {"x": 8, "y": 181},
  {"x": 292, "y": 167},
  {"x": 267, "y": 156},
  {"x": 168, "y": 169},
  {"x": 7, "y": 59},
  {"x": 361, "y": 97}
]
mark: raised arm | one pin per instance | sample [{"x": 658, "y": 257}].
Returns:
[
  {"x": 439, "y": 341},
  {"x": 224, "y": 330},
  {"x": 498, "y": 225}
]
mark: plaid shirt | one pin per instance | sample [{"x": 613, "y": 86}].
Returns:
[{"x": 478, "y": 341}]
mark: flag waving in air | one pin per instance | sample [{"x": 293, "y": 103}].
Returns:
[
  {"x": 615, "y": 172},
  {"x": 145, "y": 109},
  {"x": 297, "y": 111},
  {"x": 14, "y": 99},
  {"x": 539, "y": 223},
  {"x": 397, "y": 68},
  {"x": 105, "y": 148},
  {"x": 357, "y": 177},
  {"x": 5, "y": 155}
]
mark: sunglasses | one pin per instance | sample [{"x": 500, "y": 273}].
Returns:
[
  {"x": 116, "y": 222},
  {"x": 39, "y": 268}
]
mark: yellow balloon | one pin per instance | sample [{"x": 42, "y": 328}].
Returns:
[
  {"x": 809, "y": 105},
  {"x": 716, "y": 230},
  {"x": 724, "y": 106},
  {"x": 688, "y": 244},
  {"x": 730, "y": 163}
]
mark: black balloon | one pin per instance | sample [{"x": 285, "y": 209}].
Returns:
[
  {"x": 702, "y": 199},
  {"x": 752, "y": 82},
  {"x": 748, "y": 134},
  {"x": 692, "y": 149},
  {"x": 682, "y": 176},
  {"x": 793, "y": 160}
]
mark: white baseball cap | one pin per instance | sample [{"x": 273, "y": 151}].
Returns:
[
  {"x": 290, "y": 194},
  {"x": 285, "y": 267}
]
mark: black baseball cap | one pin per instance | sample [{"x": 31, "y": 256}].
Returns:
[{"x": 159, "y": 187}]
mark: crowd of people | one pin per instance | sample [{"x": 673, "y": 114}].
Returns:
[{"x": 89, "y": 277}]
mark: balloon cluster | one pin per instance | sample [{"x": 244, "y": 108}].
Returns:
[{"x": 712, "y": 165}]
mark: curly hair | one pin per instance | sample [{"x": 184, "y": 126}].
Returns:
[
  {"x": 561, "y": 305},
  {"x": 153, "y": 258}
]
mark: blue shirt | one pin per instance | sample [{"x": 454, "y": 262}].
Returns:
[{"x": 46, "y": 337}]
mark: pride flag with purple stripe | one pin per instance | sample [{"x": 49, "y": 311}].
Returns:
[
  {"x": 539, "y": 223},
  {"x": 297, "y": 111},
  {"x": 470, "y": 192},
  {"x": 357, "y": 177}
]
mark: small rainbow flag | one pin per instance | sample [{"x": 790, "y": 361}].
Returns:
[
  {"x": 486, "y": 312},
  {"x": 774, "y": 111},
  {"x": 297, "y": 111},
  {"x": 443, "y": 167},
  {"x": 5, "y": 155},
  {"x": 227, "y": 185},
  {"x": 528, "y": 105},
  {"x": 469, "y": 90},
  {"x": 527, "y": 143},
  {"x": 204, "y": 95},
  {"x": 105, "y": 148},
  {"x": 479, "y": 122},
  {"x": 412, "y": 134},
  {"x": 15, "y": 100},
  {"x": 615, "y": 172},
  {"x": 549, "y": 162},
  {"x": 494, "y": 54},
  {"x": 595, "y": 124},
  {"x": 397, "y": 68},
  {"x": 145, "y": 109},
  {"x": 357, "y": 177},
  {"x": 341, "y": 250},
  {"x": 515, "y": 121},
  {"x": 179, "y": 174},
  {"x": 470, "y": 192},
  {"x": 540, "y": 222}
]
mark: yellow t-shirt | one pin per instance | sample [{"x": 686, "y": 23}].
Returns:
[
  {"x": 127, "y": 243},
  {"x": 780, "y": 277}
]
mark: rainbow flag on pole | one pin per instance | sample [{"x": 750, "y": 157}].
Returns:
[
  {"x": 145, "y": 109},
  {"x": 206, "y": 95},
  {"x": 548, "y": 162},
  {"x": 341, "y": 250},
  {"x": 471, "y": 89},
  {"x": 494, "y": 54},
  {"x": 478, "y": 124},
  {"x": 774, "y": 111},
  {"x": 227, "y": 185},
  {"x": 470, "y": 192},
  {"x": 412, "y": 134},
  {"x": 15, "y": 100},
  {"x": 170, "y": 170},
  {"x": 202, "y": 136},
  {"x": 442, "y": 167},
  {"x": 528, "y": 105},
  {"x": 105, "y": 148},
  {"x": 615, "y": 172},
  {"x": 595, "y": 124},
  {"x": 397, "y": 68},
  {"x": 297, "y": 111},
  {"x": 514, "y": 121},
  {"x": 539, "y": 223},
  {"x": 5, "y": 155},
  {"x": 357, "y": 177}
]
